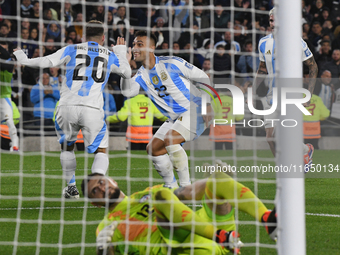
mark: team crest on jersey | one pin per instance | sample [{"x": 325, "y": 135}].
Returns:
[
  {"x": 155, "y": 80},
  {"x": 144, "y": 198},
  {"x": 164, "y": 76}
]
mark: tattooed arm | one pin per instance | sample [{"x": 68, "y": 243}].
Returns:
[{"x": 313, "y": 73}]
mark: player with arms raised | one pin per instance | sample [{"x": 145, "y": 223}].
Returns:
[
  {"x": 88, "y": 66},
  {"x": 267, "y": 67},
  {"x": 168, "y": 82}
]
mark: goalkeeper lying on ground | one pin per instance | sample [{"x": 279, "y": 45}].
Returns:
[{"x": 155, "y": 220}]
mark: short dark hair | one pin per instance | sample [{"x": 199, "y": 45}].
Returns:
[
  {"x": 94, "y": 28},
  {"x": 143, "y": 33},
  {"x": 86, "y": 180}
]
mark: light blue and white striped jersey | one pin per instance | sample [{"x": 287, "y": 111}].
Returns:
[
  {"x": 88, "y": 67},
  {"x": 267, "y": 55},
  {"x": 169, "y": 84}
]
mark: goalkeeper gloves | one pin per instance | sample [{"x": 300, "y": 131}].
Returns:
[
  {"x": 230, "y": 240},
  {"x": 104, "y": 238}
]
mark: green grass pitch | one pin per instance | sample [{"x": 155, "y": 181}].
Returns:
[{"x": 41, "y": 178}]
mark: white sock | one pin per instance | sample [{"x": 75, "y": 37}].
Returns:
[
  {"x": 100, "y": 163},
  {"x": 69, "y": 165},
  {"x": 305, "y": 149},
  {"x": 179, "y": 159},
  {"x": 165, "y": 169},
  {"x": 12, "y": 130}
]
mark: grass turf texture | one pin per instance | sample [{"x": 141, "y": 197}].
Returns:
[{"x": 42, "y": 177}]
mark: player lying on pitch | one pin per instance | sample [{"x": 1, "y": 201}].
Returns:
[{"x": 155, "y": 220}]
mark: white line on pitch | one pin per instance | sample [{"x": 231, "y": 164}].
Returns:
[
  {"x": 323, "y": 215},
  {"x": 91, "y": 207}
]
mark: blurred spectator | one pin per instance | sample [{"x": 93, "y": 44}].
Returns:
[
  {"x": 121, "y": 16},
  {"x": 34, "y": 34},
  {"x": 306, "y": 12},
  {"x": 325, "y": 89},
  {"x": 99, "y": 13},
  {"x": 242, "y": 17},
  {"x": 161, "y": 31},
  {"x": 78, "y": 25},
  {"x": 50, "y": 47},
  {"x": 334, "y": 65},
  {"x": 248, "y": 63},
  {"x": 12, "y": 33},
  {"x": 176, "y": 9},
  {"x": 317, "y": 10},
  {"x": 324, "y": 55},
  {"x": 139, "y": 111},
  {"x": 36, "y": 13},
  {"x": 200, "y": 20},
  {"x": 316, "y": 34},
  {"x": 221, "y": 63},
  {"x": 193, "y": 35},
  {"x": 47, "y": 15},
  {"x": 44, "y": 96},
  {"x": 221, "y": 18},
  {"x": 239, "y": 34},
  {"x": 109, "y": 20},
  {"x": 230, "y": 45},
  {"x": 68, "y": 14},
  {"x": 177, "y": 19},
  {"x": 206, "y": 66},
  {"x": 306, "y": 28},
  {"x": 25, "y": 23},
  {"x": 69, "y": 40},
  {"x": 26, "y": 9},
  {"x": 119, "y": 31},
  {"x": 311, "y": 123},
  {"x": 28, "y": 46},
  {"x": 149, "y": 16},
  {"x": 54, "y": 31},
  {"x": 29, "y": 78},
  {"x": 4, "y": 33},
  {"x": 335, "y": 13},
  {"x": 73, "y": 35},
  {"x": 55, "y": 77},
  {"x": 206, "y": 51}
]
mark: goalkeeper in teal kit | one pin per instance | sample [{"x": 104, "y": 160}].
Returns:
[{"x": 155, "y": 220}]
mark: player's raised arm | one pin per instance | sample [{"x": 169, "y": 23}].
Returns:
[
  {"x": 124, "y": 69},
  {"x": 52, "y": 60}
]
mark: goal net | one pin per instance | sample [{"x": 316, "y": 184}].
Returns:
[{"x": 219, "y": 37}]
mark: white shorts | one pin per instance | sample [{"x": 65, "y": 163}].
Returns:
[
  {"x": 189, "y": 124},
  {"x": 70, "y": 119},
  {"x": 6, "y": 110}
]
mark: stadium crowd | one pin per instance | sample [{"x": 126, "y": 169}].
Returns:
[{"x": 182, "y": 28}]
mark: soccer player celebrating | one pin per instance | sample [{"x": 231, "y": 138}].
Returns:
[
  {"x": 168, "y": 81},
  {"x": 6, "y": 111},
  {"x": 156, "y": 219},
  {"x": 88, "y": 66},
  {"x": 267, "y": 67}
]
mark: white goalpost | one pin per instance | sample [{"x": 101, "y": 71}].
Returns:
[
  {"x": 290, "y": 186},
  {"x": 41, "y": 208}
]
